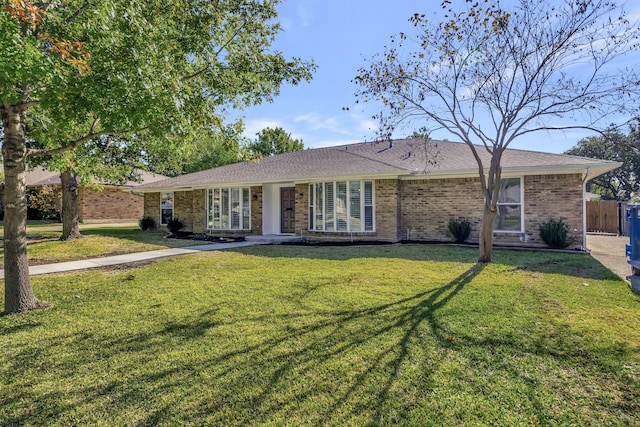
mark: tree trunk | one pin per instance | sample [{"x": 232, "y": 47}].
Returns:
[
  {"x": 486, "y": 233},
  {"x": 70, "y": 229},
  {"x": 18, "y": 294}
]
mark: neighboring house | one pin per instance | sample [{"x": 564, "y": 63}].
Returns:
[
  {"x": 112, "y": 203},
  {"x": 389, "y": 191}
]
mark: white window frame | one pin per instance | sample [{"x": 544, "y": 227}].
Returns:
[
  {"x": 521, "y": 205},
  {"x": 316, "y": 212},
  {"x": 244, "y": 211},
  {"x": 166, "y": 208}
]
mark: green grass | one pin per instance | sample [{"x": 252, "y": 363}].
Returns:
[
  {"x": 274, "y": 335},
  {"x": 43, "y": 246}
]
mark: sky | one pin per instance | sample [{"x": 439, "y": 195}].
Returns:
[{"x": 340, "y": 36}]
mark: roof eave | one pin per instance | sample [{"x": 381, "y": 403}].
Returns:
[
  {"x": 595, "y": 169},
  {"x": 295, "y": 180}
]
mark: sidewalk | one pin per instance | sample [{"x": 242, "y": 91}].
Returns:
[
  {"x": 127, "y": 258},
  {"x": 610, "y": 251}
]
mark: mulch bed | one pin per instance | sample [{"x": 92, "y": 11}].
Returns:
[{"x": 189, "y": 235}]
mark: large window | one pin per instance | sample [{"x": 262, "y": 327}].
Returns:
[
  {"x": 509, "y": 205},
  {"x": 166, "y": 208},
  {"x": 228, "y": 209},
  {"x": 341, "y": 206}
]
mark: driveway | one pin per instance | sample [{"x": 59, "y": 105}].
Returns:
[{"x": 610, "y": 251}]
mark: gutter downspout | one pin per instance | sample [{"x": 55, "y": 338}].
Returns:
[{"x": 584, "y": 209}]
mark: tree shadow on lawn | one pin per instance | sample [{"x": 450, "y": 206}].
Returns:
[
  {"x": 539, "y": 261},
  {"x": 368, "y": 365}
]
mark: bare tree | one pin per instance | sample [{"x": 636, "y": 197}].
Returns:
[{"x": 489, "y": 75}]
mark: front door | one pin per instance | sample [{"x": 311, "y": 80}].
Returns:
[{"x": 288, "y": 205}]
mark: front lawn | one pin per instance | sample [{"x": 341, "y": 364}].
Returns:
[
  {"x": 43, "y": 246},
  {"x": 275, "y": 335}
]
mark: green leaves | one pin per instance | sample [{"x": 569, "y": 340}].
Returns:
[
  {"x": 621, "y": 183},
  {"x": 120, "y": 66},
  {"x": 274, "y": 141}
]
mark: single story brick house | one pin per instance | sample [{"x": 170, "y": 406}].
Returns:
[
  {"x": 389, "y": 191},
  {"x": 113, "y": 203}
]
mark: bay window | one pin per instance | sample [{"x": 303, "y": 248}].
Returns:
[
  {"x": 228, "y": 208},
  {"x": 341, "y": 206}
]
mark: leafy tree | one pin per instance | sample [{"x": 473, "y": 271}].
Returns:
[
  {"x": 73, "y": 71},
  {"x": 45, "y": 201},
  {"x": 422, "y": 133},
  {"x": 489, "y": 75},
  {"x": 217, "y": 148},
  {"x": 274, "y": 141},
  {"x": 102, "y": 160},
  {"x": 621, "y": 183}
]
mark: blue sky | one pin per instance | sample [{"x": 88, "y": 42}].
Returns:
[{"x": 340, "y": 36}]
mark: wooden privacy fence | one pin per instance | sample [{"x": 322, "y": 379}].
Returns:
[{"x": 604, "y": 216}]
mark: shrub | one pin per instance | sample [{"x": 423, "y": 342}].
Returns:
[
  {"x": 459, "y": 229},
  {"x": 43, "y": 203},
  {"x": 147, "y": 223},
  {"x": 174, "y": 225},
  {"x": 556, "y": 234}
]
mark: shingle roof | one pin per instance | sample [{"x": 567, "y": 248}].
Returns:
[
  {"x": 396, "y": 158},
  {"x": 38, "y": 176}
]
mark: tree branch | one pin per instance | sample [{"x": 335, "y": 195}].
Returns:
[
  {"x": 77, "y": 13},
  {"x": 92, "y": 134}
]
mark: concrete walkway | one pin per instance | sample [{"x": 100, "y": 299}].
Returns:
[
  {"x": 128, "y": 258},
  {"x": 610, "y": 250}
]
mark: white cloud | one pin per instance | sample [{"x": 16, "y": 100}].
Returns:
[
  {"x": 251, "y": 127},
  {"x": 318, "y": 130},
  {"x": 285, "y": 23},
  {"x": 364, "y": 124},
  {"x": 305, "y": 11},
  {"x": 316, "y": 121}
]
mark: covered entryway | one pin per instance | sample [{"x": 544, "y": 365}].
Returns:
[
  {"x": 278, "y": 209},
  {"x": 288, "y": 213}
]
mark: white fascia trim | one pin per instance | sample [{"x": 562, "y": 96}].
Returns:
[
  {"x": 595, "y": 168},
  {"x": 292, "y": 181},
  {"x": 363, "y": 177}
]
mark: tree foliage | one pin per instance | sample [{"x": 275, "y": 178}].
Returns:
[
  {"x": 215, "y": 147},
  {"x": 75, "y": 71},
  {"x": 619, "y": 184},
  {"x": 45, "y": 201},
  {"x": 422, "y": 133},
  {"x": 489, "y": 74},
  {"x": 274, "y": 141}
]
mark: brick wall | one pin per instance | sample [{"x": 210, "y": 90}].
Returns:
[
  {"x": 183, "y": 208},
  {"x": 190, "y": 207},
  {"x": 152, "y": 206},
  {"x": 256, "y": 210},
  {"x": 302, "y": 209},
  {"x": 427, "y": 205},
  {"x": 556, "y": 197},
  {"x": 199, "y": 211},
  {"x": 387, "y": 211},
  {"x": 109, "y": 204},
  {"x": 414, "y": 209}
]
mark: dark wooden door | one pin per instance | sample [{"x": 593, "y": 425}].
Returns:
[{"x": 288, "y": 204}]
